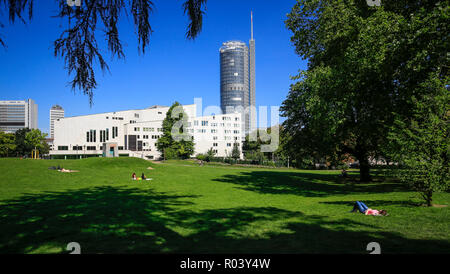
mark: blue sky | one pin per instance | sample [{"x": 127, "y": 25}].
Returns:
[{"x": 173, "y": 68}]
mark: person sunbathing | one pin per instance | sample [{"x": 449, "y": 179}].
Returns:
[
  {"x": 368, "y": 211},
  {"x": 67, "y": 170}
]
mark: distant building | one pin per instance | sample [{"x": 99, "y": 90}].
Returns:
[
  {"x": 15, "y": 115},
  {"x": 56, "y": 112},
  {"x": 134, "y": 133},
  {"x": 237, "y": 79}
]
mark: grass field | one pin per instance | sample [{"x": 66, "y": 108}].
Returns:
[{"x": 209, "y": 209}]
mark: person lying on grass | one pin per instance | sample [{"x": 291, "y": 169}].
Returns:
[
  {"x": 67, "y": 170},
  {"x": 368, "y": 211}
]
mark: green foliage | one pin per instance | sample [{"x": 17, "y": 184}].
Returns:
[
  {"x": 35, "y": 139},
  {"x": 420, "y": 143},
  {"x": 7, "y": 144},
  {"x": 201, "y": 157},
  {"x": 210, "y": 155},
  {"x": 175, "y": 143},
  {"x": 257, "y": 156},
  {"x": 22, "y": 147},
  {"x": 364, "y": 63},
  {"x": 236, "y": 152}
]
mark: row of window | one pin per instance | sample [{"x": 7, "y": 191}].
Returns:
[
  {"x": 228, "y": 144},
  {"x": 154, "y": 137},
  {"x": 91, "y": 135},
  {"x": 148, "y": 129},
  {"x": 115, "y": 118},
  {"x": 84, "y": 148}
]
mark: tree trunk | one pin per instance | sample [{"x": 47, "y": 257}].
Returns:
[
  {"x": 364, "y": 166},
  {"x": 364, "y": 170},
  {"x": 429, "y": 197}
]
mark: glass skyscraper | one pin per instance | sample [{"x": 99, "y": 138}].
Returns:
[
  {"x": 237, "y": 79},
  {"x": 15, "y": 115}
]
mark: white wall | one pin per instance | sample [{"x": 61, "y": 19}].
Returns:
[{"x": 71, "y": 131}]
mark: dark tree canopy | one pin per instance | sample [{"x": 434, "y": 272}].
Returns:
[
  {"x": 77, "y": 44},
  {"x": 364, "y": 64}
]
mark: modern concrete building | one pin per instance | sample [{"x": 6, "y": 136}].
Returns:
[
  {"x": 135, "y": 132},
  {"x": 237, "y": 79},
  {"x": 56, "y": 112},
  {"x": 15, "y": 115}
]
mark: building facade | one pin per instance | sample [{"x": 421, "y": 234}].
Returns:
[
  {"x": 15, "y": 115},
  {"x": 237, "y": 79},
  {"x": 135, "y": 132},
  {"x": 56, "y": 112}
]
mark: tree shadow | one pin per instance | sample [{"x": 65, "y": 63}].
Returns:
[
  {"x": 305, "y": 184},
  {"x": 132, "y": 220}
]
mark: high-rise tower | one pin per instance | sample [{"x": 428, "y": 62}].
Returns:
[
  {"x": 15, "y": 115},
  {"x": 56, "y": 112},
  {"x": 237, "y": 78}
]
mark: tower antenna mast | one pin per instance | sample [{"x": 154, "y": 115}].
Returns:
[{"x": 251, "y": 17}]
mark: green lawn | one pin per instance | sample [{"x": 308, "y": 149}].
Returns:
[{"x": 209, "y": 209}]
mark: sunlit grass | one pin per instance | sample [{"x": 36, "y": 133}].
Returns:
[{"x": 206, "y": 209}]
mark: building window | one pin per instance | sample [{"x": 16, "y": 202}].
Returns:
[
  {"x": 120, "y": 148},
  {"x": 204, "y": 123},
  {"x": 213, "y": 130},
  {"x": 214, "y": 138},
  {"x": 215, "y": 144},
  {"x": 136, "y": 115},
  {"x": 63, "y": 148},
  {"x": 195, "y": 123}
]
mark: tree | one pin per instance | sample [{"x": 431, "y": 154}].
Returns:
[
  {"x": 252, "y": 149},
  {"x": 364, "y": 63},
  {"x": 236, "y": 152},
  {"x": 210, "y": 155},
  {"x": 22, "y": 148},
  {"x": 77, "y": 44},
  {"x": 35, "y": 139},
  {"x": 175, "y": 141},
  {"x": 7, "y": 144},
  {"x": 421, "y": 143}
]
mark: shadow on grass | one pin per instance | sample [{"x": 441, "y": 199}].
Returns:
[
  {"x": 124, "y": 220},
  {"x": 305, "y": 184}
]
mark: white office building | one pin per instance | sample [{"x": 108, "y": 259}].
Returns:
[
  {"x": 135, "y": 132},
  {"x": 15, "y": 115},
  {"x": 56, "y": 112}
]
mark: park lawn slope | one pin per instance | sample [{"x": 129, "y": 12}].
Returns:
[{"x": 188, "y": 208}]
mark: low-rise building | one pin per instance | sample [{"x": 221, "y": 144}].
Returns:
[{"x": 135, "y": 132}]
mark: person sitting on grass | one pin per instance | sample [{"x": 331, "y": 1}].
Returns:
[
  {"x": 145, "y": 178},
  {"x": 133, "y": 177},
  {"x": 368, "y": 211}
]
